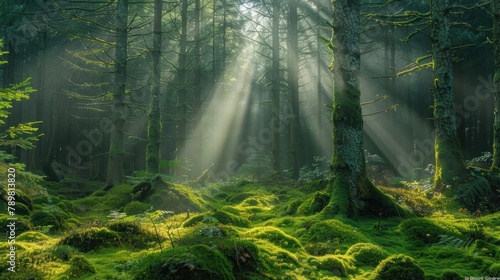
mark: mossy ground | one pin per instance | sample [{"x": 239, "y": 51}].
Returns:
[{"x": 245, "y": 230}]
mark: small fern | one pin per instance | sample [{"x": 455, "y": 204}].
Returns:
[
  {"x": 454, "y": 242},
  {"x": 473, "y": 192}
]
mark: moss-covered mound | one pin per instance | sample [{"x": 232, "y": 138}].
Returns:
[
  {"x": 133, "y": 234},
  {"x": 40, "y": 218},
  {"x": 333, "y": 265},
  {"x": 32, "y": 236},
  {"x": 275, "y": 236},
  {"x": 79, "y": 266},
  {"x": 367, "y": 253},
  {"x": 181, "y": 263},
  {"x": 136, "y": 207},
  {"x": 424, "y": 231},
  {"x": 331, "y": 231},
  {"x": 398, "y": 267},
  {"x": 91, "y": 239},
  {"x": 63, "y": 252},
  {"x": 314, "y": 204},
  {"x": 227, "y": 218}
]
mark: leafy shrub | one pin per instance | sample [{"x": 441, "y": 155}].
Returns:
[
  {"x": 398, "y": 267},
  {"x": 180, "y": 263},
  {"x": 79, "y": 266},
  {"x": 136, "y": 207},
  {"x": 91, "y": 239},
  {"x": 367, "y": 253}
]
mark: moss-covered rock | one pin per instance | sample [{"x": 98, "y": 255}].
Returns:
[
  {"x": 322, "y": 248},
  {"x": 398, "y": 267},
  {"x": 331, "y": 230},
  {"x": 243, "y": 254},
  {"x": 136, "y": 207},
  {"x": 32, "y": 236},
  {"x": 314, "y": 204},
  {"x": 367, "y": 253},
  {"x": 275, "y": 236},
  {"x": 79, "y": 266},
  {"x": 63, "y": 252},
  {"x": 91, "y": 239},
  {"x": 40, "y": 218},
  {"x": 227, "y": 218},
  {"x": 180, "y": 263},
  {"x": 133, "y": 234},
  {"x": 450, "y": 275},
  {"x": 334, "y": 265}
]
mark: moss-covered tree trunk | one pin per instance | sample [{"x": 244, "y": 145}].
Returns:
[
  {"x": 496, "y": 80},
  {"x": 449, "y": 160},
  {"x": 353, "y": 193},
  {"x": 293, "y": 84},
  {"x": 275, "y": 87},
  {"x": 154, "y": 125},
  {"x": 116, "y": 152}
]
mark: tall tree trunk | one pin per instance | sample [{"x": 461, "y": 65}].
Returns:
[
  {"x": 154, "y": 126},
  {"x": 275, "y": 85},
  {"x": 496, "y": 80},
  {"x": 449, "y": 160},
  {"x": 198, "y": 133},
  {"x": 352, "y": 192},
  {"x": 182, "y": 91},
  {"x": 116, "y": 151},
  {"x": 293, "y": 84}
]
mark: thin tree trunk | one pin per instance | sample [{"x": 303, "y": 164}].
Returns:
[
  {"x": 449, "y": 160},
  {"x": 293, "y": 83},
  {"x": 154, "y": 126},
  {"x": 182, "y": 91},
  {"x": 116, "y": 151},
  {"x": 275, "y": 84},
  {"x": 198, "y": 133},
  {"x": 496, "y": 80}
]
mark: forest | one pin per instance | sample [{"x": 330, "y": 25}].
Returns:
[{"x": 243, "y": 139}]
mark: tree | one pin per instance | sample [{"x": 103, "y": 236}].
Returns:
[
  {"x": 293, "y": 84},
  {"x": 352, "y": 192},
  {"x": 154, "y": 126},
  {"x": 496, "y": 80},
  {"x": 275, "y": 87},
  {"x": 449, "y": 159},
  {"x": 116, "y": 151}
]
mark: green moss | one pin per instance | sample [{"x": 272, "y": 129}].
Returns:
[
  {"x": 332, "y": 230},
  {"x": 424, "y": 231},
  {"x": 227, "y": 218},
  {"x": 238, "y": 198},
  {"x": 133, "y": 234},
  {"x": 180, "y": 263},
  {"x": 292, "y": 206},
  {"x": 314, "y": 204},
  {"x": 22, "y": 209},
  {"x": 275, "y": 236},
  {"x": 193, "y": 220},
  {"x": 91, "y": 239},
  {"x": 322, "y": 248},
  {"x": 334, "y": 265},
  {"x": 41, "y": 218},
  {"x": 367, "y": 253},
  {"x": 79, "y": 266},
  {"x": 232, "y": 210},
  {"x": 450, "y": 275},
  {"x": 494, "y": 270},
  {"x": 32, "y": 236},
  {"x": 136, "y": 207},
  {"x": 398, "y": 267},
  {"x": 243, "y": 254},
  {"x": 63, "y": 252}
]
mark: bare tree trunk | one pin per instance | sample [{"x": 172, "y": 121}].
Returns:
[
  {"x": 496, "y": 79},
  {"x": 449, "y": 160},
  {"x": 293, "y": 84},
  {"x": 198, "y": 133},
  {"x": 275, "y": 84},
  {"x": 154, "y": 126},
  {"x": 116, "y": 151}
]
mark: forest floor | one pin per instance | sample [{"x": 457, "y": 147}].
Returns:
[{"x": 242, "y": 230}]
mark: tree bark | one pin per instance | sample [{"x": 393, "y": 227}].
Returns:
[
  {"x": 449, "y": 159},
  {"x": 154, "y": 125},
  {"x": 198, "y": 133},
  {"x": 293, "y": 84},
  {"x": 353, "y": 193},
  {"x": 496, "y": 83},
  {"x": 182, "y": 91},
  {"x": 275, "y": 84},
  {"x": 116, "y": 151}
]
